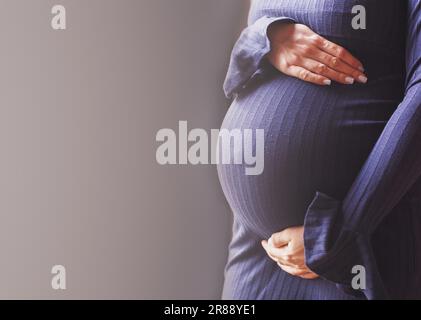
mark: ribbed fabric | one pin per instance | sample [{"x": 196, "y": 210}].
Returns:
[{"x": 342, "y": 160}]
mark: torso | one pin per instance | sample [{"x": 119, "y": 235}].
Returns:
[{"x": 316, "y": 138}]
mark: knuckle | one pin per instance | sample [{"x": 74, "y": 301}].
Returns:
[
  {"x": 321, "y": 69},
  {"x": 324, "y": 44},
  {"x": 307, "y": 50},
  {"x": 314, "y": 39},
  {"x": 288, "y": 258},
  {"x": 341, "y": 52},
  {"x": 326, "y": 59},
  {"x": 304, "y": 75},
  {"x": 334, "y": 62},
  {"x": 299, "y": 37}
]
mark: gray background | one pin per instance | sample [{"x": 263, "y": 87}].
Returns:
[{"x": 79, "y": 110}]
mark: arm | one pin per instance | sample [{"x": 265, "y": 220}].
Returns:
[
  {"x": 294, "y": 50},
  {"x": 337, "y": 235}
]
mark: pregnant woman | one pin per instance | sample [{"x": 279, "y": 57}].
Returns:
[{"x": 340, "y": 195}]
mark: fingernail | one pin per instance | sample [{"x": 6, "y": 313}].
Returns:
[
  {"x": 327, "y": 82},
  {"x": 361, "y": 69},
  {"x": 349, "y": 80},
  {"x": 363, "y": 79}
]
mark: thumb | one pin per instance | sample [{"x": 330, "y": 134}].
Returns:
[{"x": 279, "y": 239}]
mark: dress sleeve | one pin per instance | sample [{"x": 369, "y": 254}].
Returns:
[
  {"x": 337, "y": 234},
  {"x": 248, "y": 53}
]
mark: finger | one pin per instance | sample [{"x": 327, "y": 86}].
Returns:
[
  {"x": 304, "y": 273},
  {"x": 283, "y": 262},
  {"x": 279, "y": 239},
  {"x": 324, "y": 70},
  {"x": 266, "y": 246},
  {"x": 278, "y": 253},
  {"x": 308, "y": 76},
  {"x": 284, "y": 257},
  {"x": 310, "y": 276},
  {"x": 293, "y": 271},
  {"x": 338, "y": 65},
  {"x": 347, "y": 72},
  {"x": 338, "y": 51},
  {"x": 287, "y": 253}
]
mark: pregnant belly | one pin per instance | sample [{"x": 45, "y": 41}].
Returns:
[{"x": 316, "y": 139}]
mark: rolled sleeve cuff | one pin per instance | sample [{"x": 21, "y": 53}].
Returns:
[
  {"x": 333, "y": 252},
  {"x": 247, "y": 55}
]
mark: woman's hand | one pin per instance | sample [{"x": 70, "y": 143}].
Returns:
[
  {"x": 286, "y": 248},
  {"x": 299, "y": 52}
]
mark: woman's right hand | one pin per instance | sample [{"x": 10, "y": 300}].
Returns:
[{"x": 299, "y": 52}]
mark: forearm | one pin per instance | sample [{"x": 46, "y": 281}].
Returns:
[{"x": 337, "y": 233}]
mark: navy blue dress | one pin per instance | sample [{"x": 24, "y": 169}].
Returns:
[{"x": 342, "y": 160}]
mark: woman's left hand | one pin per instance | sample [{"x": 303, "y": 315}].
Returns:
[{"x": 286, "y": 248}]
